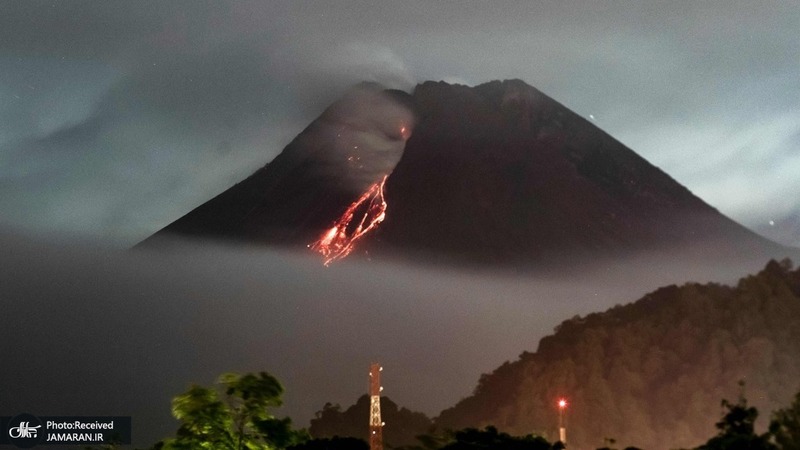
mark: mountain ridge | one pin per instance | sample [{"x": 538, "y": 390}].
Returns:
[{"x": 651, "y": 373}]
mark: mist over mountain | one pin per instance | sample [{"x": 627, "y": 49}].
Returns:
[
  {"x": 652, "y": 373},
  {"x": 495, "y": 174}
]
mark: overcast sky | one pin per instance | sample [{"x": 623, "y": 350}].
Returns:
[{"x": 118, "y": 117}]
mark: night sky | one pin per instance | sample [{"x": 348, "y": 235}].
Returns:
[{"x": 118, "y": 117}]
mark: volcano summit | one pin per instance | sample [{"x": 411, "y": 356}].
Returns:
[{"x": 494, "y": 174}]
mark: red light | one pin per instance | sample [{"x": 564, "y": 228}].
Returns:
[{"x": 405, "y": 133}]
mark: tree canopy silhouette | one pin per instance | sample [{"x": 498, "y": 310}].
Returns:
[
  {"x": 490, "y": 438},
  {"x": 233, "y": 415},
  {"x": 737, "y": 430},
  {"x": 785, "y": 426},
  {"x": 402, "y": 425},
  {"x": 334, "y": 443}
]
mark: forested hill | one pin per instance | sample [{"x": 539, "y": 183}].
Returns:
[
  {"x": 652, "y": 373},
  {"x": 403, "y": 425}
]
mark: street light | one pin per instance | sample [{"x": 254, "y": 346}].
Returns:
[{"x": 562, "y": 431}]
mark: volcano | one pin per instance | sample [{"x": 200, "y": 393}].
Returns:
[{"x": 496, "y": 174}]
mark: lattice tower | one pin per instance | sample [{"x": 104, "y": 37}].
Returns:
[{"x": 375, "y": 423}]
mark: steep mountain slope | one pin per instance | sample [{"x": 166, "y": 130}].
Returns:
[
  {"x": 652, "y": 373},
  {"x": 498, "y": 173},
  {"x": 290, "y": 201},
  {"x": 532, "y": 180}
]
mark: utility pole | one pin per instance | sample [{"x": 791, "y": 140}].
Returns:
[
  {"x": 375, "y": 423},
  {"x": 562, "y": 430}
]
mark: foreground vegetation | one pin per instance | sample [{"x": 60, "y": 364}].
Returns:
[{"x": 235, "y": 415}]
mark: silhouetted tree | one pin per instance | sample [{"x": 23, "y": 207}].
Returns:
[
  {"x": 334, "y": 443},
  {"x": 490, "y": 438},
  {"x": 234, "y": 416},
  {"x": 608, "y": 442},
  {"x": 402, "y": 425},
  {"x": 785, "y": 426},
  {"x": 737, "y": 429}
]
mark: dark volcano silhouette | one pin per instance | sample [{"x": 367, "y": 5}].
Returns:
[{"x": 498, "y": 173}]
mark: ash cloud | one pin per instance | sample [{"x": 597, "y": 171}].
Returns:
[{"x": 362, "y": 136}]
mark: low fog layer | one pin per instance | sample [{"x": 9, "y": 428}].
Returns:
[{"x": 89, "y": 331}]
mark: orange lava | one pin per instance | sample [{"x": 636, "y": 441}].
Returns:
[{"x": 360, "y": 218}]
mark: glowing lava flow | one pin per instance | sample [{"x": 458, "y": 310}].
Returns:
[{"x": 339, "y": 240}]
